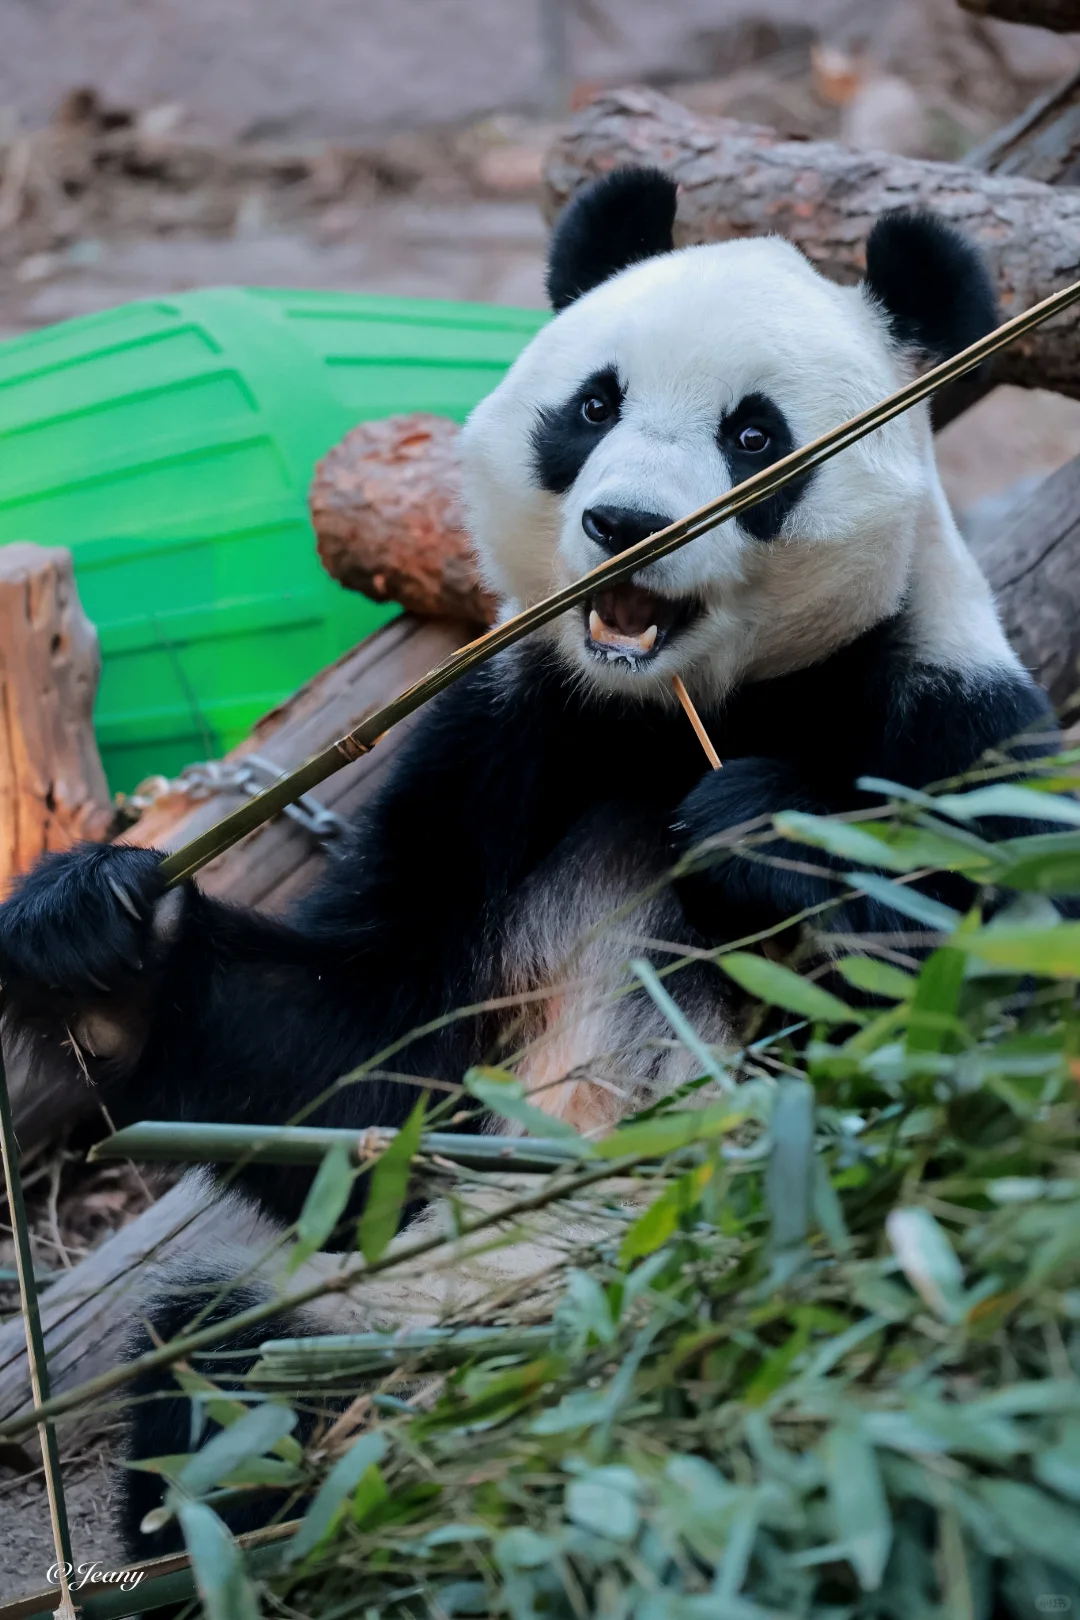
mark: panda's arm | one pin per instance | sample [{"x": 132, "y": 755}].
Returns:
[
  {"x": 187, "y": 1008},
  {"x": 925, "y": 727}
]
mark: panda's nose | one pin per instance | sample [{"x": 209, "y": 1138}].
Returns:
[{"x": 616, "y": 527}]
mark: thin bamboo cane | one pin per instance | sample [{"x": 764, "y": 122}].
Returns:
[
  {"x": 183, "y": 863},
  {"x": 332, "y": 1356},
  {"x": 152, "y": 1583},
  {"x": 308, "y": 1144},
  {"x": 35, "y": 1348}
]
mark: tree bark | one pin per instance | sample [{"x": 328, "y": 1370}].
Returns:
[
  {"x": 1042, "y": 144},
  {"x": 740, "y": 180},
  {"x": 1032, "y": 560},
  {"x": 52, "y": 783},
  {"x": 387, "y": 509},
  {"x": 1062, "y": 16}
]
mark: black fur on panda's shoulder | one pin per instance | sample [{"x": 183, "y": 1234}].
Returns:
[
  {"x": 627, "y": 216},
  {"x": 932, "y": 283}
]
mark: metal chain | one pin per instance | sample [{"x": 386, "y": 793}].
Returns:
[{"x": 250, "y": 776}]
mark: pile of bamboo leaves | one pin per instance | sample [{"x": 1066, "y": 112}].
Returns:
[{"x": 831, "y": 1369}]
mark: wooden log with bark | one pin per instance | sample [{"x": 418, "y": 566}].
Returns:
[
  {"x": 388, "y": 513},
  {"x": 52, "y": 783},
  {"x": 1042, "y": 144},
  {"x": 742, "y": 180}
]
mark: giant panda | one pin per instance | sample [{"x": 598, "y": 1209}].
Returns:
[{"x": 523, "y": 846}]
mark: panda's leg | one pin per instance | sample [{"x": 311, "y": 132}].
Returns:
[{"x": 160, "y": 1416}]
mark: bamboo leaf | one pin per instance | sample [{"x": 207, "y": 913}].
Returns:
[
  {"x": 389, "y": 1185},
  {"x": 845, "y": 839},
  {"x": 250, "y": 1436},
  {"x": 665, "y": 1133},
  {"x": 682, "y": 1026},
  {"x": 218, "y": 1565},
  {"x": 908, "y": 901},
  {"x": 859, "y": 1506},
  {"x": 602, "y": 1507},
  {"x": 656, "y": 1224},
  {"x": 1052, "y": 952},
  {"x": 1045, "y": 863},
  {"x": 505, "y": 1095},
  {"x": 343, "y": 1479},
  {"x": 1047, "y": 1528},
  {"x": 780, "y": 987},
  {"x": 932, "y": 1019},
  {"x": 1059, "y": 1467},
  {"x": 895, "y": 848},
  {"x": 928, "y": 1261},
  {"x": 789, "y": 1176},
  {"x": 1011, "y": 800},
  {"x": 877, "y": 978},
  {"x": 323, "y": 1207}
]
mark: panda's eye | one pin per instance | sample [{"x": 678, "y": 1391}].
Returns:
[
  {"x": 595, "y": 409},
  {"x": 753, "y": 440}
]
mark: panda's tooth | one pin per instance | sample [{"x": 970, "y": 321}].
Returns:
[
  {"x": 647, "y": 641},
  {"x": 596, "y": 625}
]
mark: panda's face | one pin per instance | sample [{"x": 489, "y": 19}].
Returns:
[{"x": 656, "y": 391}]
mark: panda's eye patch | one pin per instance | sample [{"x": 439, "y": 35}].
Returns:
[
  {"x": 564, "y": 435},
  {"x": 596, "y": 409},
  {"x": 754, "y": 434},
  {"x": 754, "y": 439}
]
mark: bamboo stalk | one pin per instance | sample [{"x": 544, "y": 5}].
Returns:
[
  {"x": 35, "y": 1347},
  {"x": 333, "y": 1356},
  {"x": 153, "y": 1140},
  {"x": 169, "y": 1579},
  {"x": 184, "y": 862}
]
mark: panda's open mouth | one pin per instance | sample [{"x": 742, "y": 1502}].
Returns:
[{"x": 630, "y": 623}]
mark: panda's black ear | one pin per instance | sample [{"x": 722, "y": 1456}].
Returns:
[
  {"x": 933, "y": 284},
  {"x": 616, "y": 221}
]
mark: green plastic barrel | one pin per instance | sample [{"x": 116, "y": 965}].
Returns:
[{"x": 170, "y": 444}]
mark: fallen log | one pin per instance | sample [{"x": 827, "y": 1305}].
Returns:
[
  {"x": 1032, "y": 559},
  {"x": 1062, "y": 16},
  {"x": 281, "y": 859},
  {"x": 87, "y": 1313},
  {"x": 741, "y": 180},
  {"x": 387, "y": 509},
  {"x": 52, "y": 784}
]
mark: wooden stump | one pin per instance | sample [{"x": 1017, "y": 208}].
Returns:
[{"x": 52, "y": 784}]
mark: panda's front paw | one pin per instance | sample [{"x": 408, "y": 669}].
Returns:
[
  {"x": 85, "y": 935},
  {"x": 729, "y": 889}
]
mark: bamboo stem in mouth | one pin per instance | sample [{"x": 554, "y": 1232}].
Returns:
[{"x": 696, "y": 721}]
